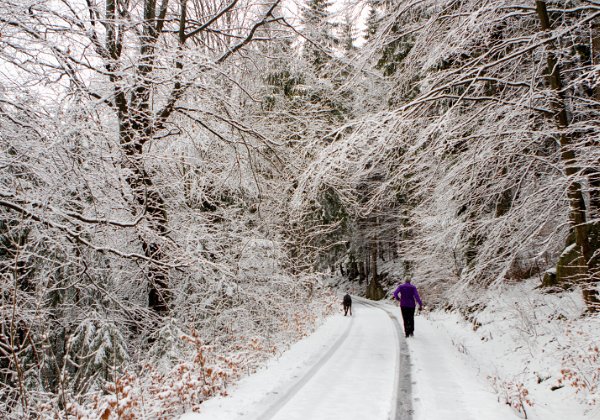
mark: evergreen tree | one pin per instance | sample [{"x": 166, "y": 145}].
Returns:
[
  {"x": 347, "y": 35},
  {"x": 372, "y": 21},
  {"x": 319, "y": 33}
]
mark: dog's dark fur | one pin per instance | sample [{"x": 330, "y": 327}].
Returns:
[{"x": 347, "y": 302}]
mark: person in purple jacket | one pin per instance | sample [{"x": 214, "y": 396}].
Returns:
[{"x": 409, "y": 297}]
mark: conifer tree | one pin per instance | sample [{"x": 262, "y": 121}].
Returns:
[
  {"x": 347, "y": 35},
  {"x": 372, "y": 21},
  {"x": 319, "y": 33}
]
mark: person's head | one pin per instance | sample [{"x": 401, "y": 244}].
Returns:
[{"x": 407, "y": 280}]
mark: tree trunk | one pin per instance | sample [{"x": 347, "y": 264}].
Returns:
[
  {"x": 595, "y": 35},
  {"x": 153, "y": 204},
  {"x": 367, "y": 264},
  {"x": 361, "y": 272},
  {"x": 137, "y": 125},
  {"x": 594, "y": 175},
  {"x": 577, "y": 214},
  {"x": 374, "y": 262},
  {"x": 374, "y": 290}
]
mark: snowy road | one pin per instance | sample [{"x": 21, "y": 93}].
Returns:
[
  {"x": 362, "y": 368},
  {"x": 351, "y": 368},
  {"x": 357, "y": 378}
]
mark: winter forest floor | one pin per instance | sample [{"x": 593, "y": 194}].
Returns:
[{"x": 505, "y": 363}]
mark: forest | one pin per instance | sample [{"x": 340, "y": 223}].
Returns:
[{"x": 180, "y": 178}]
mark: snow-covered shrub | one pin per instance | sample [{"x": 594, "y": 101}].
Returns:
[
  {"x": 191, "y": 370},
  {"x": 99, "y": 349},
  {"x": 581, "y": 365},
  {"x": 513, "y": 394}
]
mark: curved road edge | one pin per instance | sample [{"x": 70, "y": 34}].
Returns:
[{"x": 403, "y": 409}]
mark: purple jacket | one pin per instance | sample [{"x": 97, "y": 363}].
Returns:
[{"x": 408, "y": 294}]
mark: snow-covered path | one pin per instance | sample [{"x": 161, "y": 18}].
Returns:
[
  {"x": 446, "y": 388},
  {"x": 354, "y": 380},
  {"x": 358, "y": 367}
]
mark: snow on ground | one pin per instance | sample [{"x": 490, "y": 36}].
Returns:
[
  {"x": 521, "y": 343},
  {"x": 517, "y": 355},
  {"x": 445, "y": 386},
  {"x": 348, "y": 368}
]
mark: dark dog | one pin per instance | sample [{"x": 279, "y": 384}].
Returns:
[{"x": 347, "y": 302}]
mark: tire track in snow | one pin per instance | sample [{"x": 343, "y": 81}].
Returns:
[
  {"x": 402, "y": 409},
  {"x": 291, "y": 392}
]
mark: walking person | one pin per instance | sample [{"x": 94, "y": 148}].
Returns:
[
  {"x": 409, "y": 297},
  {"x": 347, "y": 302}
]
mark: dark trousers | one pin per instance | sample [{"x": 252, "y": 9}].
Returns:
[
  {"x": 408, "y": 316},
  {"x": 347, "y": 308}
]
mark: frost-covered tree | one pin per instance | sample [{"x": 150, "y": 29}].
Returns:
[
  {"x": 319, "y": 34},
  {"x": 347, "y": 34},
  {"x": 372, "y": 21},
  {"x": 489, "y": 137},
  {"x": 141, "y": 195}
]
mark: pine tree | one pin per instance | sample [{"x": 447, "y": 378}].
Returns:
[
  {"x": 372, "y": 21},
  {"x": 319, "y": 34},
  {"x": 347, "y": 35}
]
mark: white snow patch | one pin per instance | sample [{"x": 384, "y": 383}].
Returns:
[
  {"x": 518, "y": 345},
  {"x": 502, "y": 364},
  {"x": 355, "y": 384}
]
